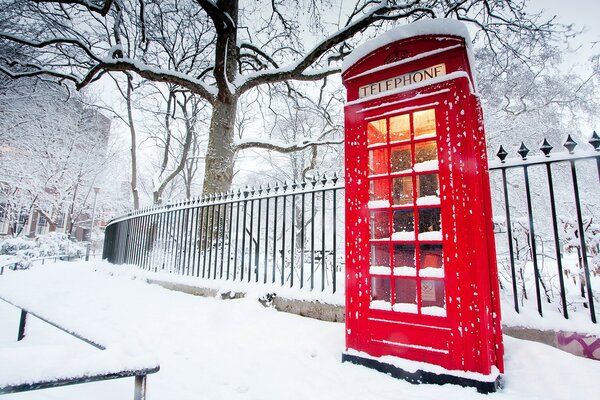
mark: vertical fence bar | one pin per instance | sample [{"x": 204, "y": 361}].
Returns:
[
  {"x": 217, "y": 240},
  {"x": 212, "y": 236},
  {"x": 323, "y": 195},
  {"x": 283, "y": 224},
  {"x": 244, "y": 235},
  {"x": 533, "y": 244},
  {"x": 510, "y": 241},
  {"x": 274, "y": 237},
  {"x": 256, "y": 268},
  {"x": 229, "y": 236},
  {"x": 313, "y": 213},
  {"x": 334, "y": 237},
  {"x": 237, "y": 232},
  {"x": 586, "y": 269},
  {"x": 206, "y": 210},
  {"x": 225, "y": 204},
  {"x": 251, "y": 234},
  {"x": 293, "y": 235},
  {"x": 266, "y": 267},
  {"x": 561, "y": 280},
  {"x": 302, "y": 232}
]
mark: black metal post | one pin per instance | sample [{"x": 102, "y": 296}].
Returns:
[
  {"x": 561, "y": 280},
  {"x": 510, "y": 242},
  {"x": 22, "y": 325},
  {"x": 586, "y": 269}
]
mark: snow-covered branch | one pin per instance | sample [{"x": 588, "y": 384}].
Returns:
[{"x": 281, "y": 147}]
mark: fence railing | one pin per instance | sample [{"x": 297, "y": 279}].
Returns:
[
  {"x": 287, "y": 234},
  {"x": 546, "y": 209},
  {"x": 292, "y": 235}
]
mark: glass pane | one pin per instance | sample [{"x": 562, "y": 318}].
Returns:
[
  {"x": 431, "y": 261},
  {"x": 426, "y": 156},
  {"x": 424, "y": 122},
  {"x": 380, "y": 293},
  {"x": 405, "y": 295},
  {"x": 428, "y": 190},
  {"x": 401, "y": 159},
  {"x": 379, "y": 192},
  {"x": 399, "y": 128},
  {"x": 404, "y": 259},
  {"x": 380, "y": 259},
  {"x": 402, "y": 191},
  {"x": 378, "y": 161},
  {"x": 404, "y": 225},
  {"x": 380, "y": 225},
  {"x": 376, "y": 132},
  {"x": 430, "y": 224},
  {"x": 433, "y": 297}
]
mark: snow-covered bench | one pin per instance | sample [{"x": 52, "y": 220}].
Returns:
[
  {"x": 10, "y": 262},
  {"x": 26, "y": 368}
]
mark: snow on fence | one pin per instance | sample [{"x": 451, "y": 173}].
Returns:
[
  {"x": 293, "y": 235},
  {"x": 282, "y": 234}
]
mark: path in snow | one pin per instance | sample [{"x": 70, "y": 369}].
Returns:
[{"x": 236, "y": 349}]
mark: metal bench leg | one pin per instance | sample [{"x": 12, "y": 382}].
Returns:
[
  {"x": 140, "y": 387},
  {"x": 22, "y": 323}
]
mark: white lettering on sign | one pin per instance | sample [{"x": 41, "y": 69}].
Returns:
[{"x": 402, "y": 80}]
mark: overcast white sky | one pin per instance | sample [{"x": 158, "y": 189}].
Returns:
[{"x": 585, "y": 14}]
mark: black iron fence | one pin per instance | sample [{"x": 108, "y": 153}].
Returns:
[
  {"x": 287, "y": 235},
  {"x": 547, "y": 232},
  {"x": 546, "y": 209}
]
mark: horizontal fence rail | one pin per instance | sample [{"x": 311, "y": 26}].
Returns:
[
  {"x": 283, "y": 234},
  {"x": 545, "y": 221}
]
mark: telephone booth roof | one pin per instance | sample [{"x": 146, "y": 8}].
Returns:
[{"x": 409, "y": 46}]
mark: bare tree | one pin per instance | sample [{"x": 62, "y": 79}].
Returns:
[{"x": 221, "y": 50}]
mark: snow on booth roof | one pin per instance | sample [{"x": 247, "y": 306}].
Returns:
[{"x": 436, "y": 26}]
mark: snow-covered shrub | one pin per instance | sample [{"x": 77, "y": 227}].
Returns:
[{"x": 52, "y": 244}]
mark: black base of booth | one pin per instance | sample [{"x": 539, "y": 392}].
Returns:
[{"x": 421, "y": 376}]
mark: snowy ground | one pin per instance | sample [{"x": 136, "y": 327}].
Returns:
[{"x": 236, "y": 349}]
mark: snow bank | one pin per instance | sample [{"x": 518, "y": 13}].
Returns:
[{"x": 237, "y": 349}]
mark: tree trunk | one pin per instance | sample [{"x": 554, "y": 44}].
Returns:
[
  {"x": 134, "y": 189},
  {"x": 218, "y": 168}
]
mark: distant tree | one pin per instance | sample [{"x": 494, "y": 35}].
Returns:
[
  {"x": 53, "y": 151},
  {"x": 222, "y": 50}
]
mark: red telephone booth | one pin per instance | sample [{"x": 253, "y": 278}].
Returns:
[{"x": 422, "y": 281}]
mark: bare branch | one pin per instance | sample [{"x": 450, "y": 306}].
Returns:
[{"x": 285, "y": 148}]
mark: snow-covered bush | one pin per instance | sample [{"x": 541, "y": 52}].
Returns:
[{"x": 52, "y": 244}]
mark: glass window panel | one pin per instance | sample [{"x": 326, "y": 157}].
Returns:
[
  {"x": 428, "y": 185},
  {"x": 401, "y": 158},
  {"x": 380, "y": 225},
  {"x": 404, "y": 259},
  {"x": 430, "y": 221},
  {"x": 425, "y": 152},
  {"x": 433, "y": 294},
  {"x": 399, "y": 128},
  {"x": 431, "y": 260},
  {"x": 380, "y": 257},
  {"x": 379, "y": 192},
  {"x": 404, "y": 225},
  {"x": 376, "y": 132},
  {"x": 380, "y": 289},
  {"x": 405, "y": 295},
  {"x": 378, "y": 161},
  {"x": 402, "y": 190},
  {"x": 424, "y": 123}
]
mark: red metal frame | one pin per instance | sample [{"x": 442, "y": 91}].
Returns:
[{"x": 468, "y": 337}]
